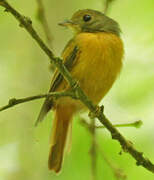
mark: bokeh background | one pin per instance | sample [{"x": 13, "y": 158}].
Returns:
[{"x": 24, "y": 71}]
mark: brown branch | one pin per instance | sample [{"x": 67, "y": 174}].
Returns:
[
  {"x": 43, "y": 20},
  {"x": 95, "y": 111},
  {"x": 13, "y": 101}
]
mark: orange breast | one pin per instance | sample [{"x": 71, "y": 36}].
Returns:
[{"x": 98, "y": 63}]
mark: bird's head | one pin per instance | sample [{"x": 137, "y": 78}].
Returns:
[{"x": 89, "y": 20}]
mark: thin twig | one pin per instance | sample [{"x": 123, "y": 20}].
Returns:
[
  {"x": 13, "y": 101},
  {"x": 136, "y": 124},
  {"x": 93, "y": 152},
  {"x": 117, "y": 172},
  {"x": 43, "y": 20},
  {"x": 95, "y": 111},
  {"x": 107, "y": 5}
]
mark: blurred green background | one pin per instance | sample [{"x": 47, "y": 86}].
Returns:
[{"x": 24, "y": 71}]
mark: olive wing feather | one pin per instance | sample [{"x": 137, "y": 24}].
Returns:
[{"x": 57, "y": 79}]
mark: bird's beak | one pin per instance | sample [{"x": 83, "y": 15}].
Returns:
[{"x": 67, "y": 23}]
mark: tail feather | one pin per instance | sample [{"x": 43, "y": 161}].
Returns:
[
  {"x": 44, "y": 110},
  {"x": 61, "y": 126}
]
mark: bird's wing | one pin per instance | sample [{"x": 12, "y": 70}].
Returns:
[{"x": 69, "y": 55}]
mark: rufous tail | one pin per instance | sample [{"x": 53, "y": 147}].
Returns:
[{"x": 61, "y": 126}]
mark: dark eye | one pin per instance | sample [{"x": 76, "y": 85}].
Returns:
[{"x": 86, "y": 17}]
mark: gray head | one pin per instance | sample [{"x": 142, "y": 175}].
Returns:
[{"x": 89, "y": 20}]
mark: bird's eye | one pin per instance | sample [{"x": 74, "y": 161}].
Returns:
[{"x": 86, "y": 17}]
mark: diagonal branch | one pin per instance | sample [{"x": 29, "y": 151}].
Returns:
[{"x": 95, "y": 111}]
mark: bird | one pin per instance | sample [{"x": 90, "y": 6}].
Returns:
[{"x": 96, "y": 64}]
